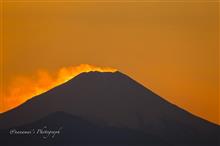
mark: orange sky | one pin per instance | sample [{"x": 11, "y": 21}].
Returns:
[{"x": 169, "y": 47}]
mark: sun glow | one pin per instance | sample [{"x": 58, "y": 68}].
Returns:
[{"x": 24, "y": 88}]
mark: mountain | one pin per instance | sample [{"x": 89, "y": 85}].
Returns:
[{"x": 116, "y": 100}]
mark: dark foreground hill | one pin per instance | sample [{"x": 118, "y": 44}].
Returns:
[
  {"x": 115, "y": 100},
  {"x": 71, "y": 130}
]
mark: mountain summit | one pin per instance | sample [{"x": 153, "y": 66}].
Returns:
[{"x": 114, "y": 99}]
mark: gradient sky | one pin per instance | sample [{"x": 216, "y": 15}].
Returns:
[{"x": 169, "y": 47}]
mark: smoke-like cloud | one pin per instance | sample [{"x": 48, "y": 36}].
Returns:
[{"x": 23, "y": 88}]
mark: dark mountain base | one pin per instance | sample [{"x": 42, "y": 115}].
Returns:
[
  {"x": 75, "y": 130},
  {"x": 79, "y": 132}
]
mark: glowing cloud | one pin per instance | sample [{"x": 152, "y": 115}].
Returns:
[{"x": 24, "y": 88}]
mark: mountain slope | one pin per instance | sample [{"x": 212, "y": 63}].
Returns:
[{"x": 114, "y": 99}]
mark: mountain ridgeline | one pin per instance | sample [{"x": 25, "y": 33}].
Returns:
[{"x": 107, "y": 108}]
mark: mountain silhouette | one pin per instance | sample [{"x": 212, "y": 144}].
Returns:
[{"x": 116, "y": 100}]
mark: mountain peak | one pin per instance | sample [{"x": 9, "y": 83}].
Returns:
[
  {"x": 94, "y": 76},
  {"x": 97, "y": 73}
]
